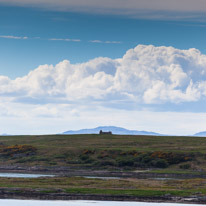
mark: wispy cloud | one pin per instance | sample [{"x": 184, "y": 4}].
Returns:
[
  {"x": 105, "y": 42},
  {"x": 95, "y": 41},
  {"x": 13, "y": 37},
  {"x": 58, "y": 39},
  {"x": 112, "y": 42},
  {"x": 147, "y": 9},
  {"x": 55, "y": 39}
]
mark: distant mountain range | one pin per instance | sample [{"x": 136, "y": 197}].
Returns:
[
  {"x": 200, "y": 134},
  {"x": 119, "y": 131},
  {"x": 4, "y": 134},
  {"x": 114, "y": 130}
]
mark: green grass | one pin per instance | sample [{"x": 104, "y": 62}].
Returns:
[
  {"x": 122, "y": 187},
  {"x": 171, "y": 171},
  {"x": 138, "y": 193},
  {"x": 65, "y": 150},
  {"x": 106, "y": 152}
]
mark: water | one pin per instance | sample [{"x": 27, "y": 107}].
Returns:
[
  {"x": 117, "y": 178},
  {"x": 19, "y": 175},
  {"x": 83, "y": 203},
  {"x": 164, "y": 178},
  {"x": 102, "y": 178}
]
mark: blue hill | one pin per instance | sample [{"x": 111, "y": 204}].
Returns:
[
  {"x": 113, "y": 129},
  {"x": 201, "y": 134}
]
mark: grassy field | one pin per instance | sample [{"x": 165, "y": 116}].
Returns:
[
  {"x": 106, "y": 151},
  {"x": 134, "y": 187},
  {"x": 162, "y": 155}
]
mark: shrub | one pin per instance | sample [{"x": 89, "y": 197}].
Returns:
[
  {"x": 89, "y": 160},
  {"x": 171, "y": 157},
  {"x": 160, "y": 163},
  {"x": 185, "y": 166},
  {"x": 84, "y": 157},
  {"x": 125, "y": 162},
  {"x": 52, "y": 163},
  {"x": 105, "y": 163},
  {"x": 87, "y": 151},
  {"x": 157, "y": 159},
  {"x": 17, "y": 150}
]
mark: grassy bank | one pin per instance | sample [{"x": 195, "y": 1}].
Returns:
[
  {"x": 132, "y": 187},
  {"x": 162, "y": 155},
  {"x": 105, "y": 151}
]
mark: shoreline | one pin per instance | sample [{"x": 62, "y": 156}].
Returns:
[
  {"x": 81, "y": 172},
  {"x": 40, "y": 194},
  {"x": 37, "y": 195}
]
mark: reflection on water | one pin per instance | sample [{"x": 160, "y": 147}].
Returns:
[
  {"x": 83, "y": 203},
  {"x": 18, "y": 175}
]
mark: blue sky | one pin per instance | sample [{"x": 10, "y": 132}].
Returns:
[
  {"x": 41, "y": 25},
  {"x": 107, "y": 76}
]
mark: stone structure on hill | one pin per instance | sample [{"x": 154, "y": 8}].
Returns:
[{"x": 101, "y": 132}]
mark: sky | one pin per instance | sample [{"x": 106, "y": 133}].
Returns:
[{"x": 67, "y": 65}]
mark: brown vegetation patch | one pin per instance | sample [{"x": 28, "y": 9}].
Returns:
[{"x": 16, "y": 150}]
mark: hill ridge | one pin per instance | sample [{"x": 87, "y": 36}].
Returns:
[{"x": 113, "y": 129}]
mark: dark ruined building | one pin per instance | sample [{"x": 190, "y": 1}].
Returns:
[{"x": 101, "y": 132}]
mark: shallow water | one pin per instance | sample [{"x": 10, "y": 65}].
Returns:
[
  {"x": 102, "y": 178},
  {"x": 163, "y": 178},
  {"x": 83, "y": 203},
  {"x": 19, "y": 175},
  {"x": 116, "y": 178}
]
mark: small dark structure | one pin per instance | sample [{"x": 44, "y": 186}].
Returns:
[{"x": 101, "y": 132}]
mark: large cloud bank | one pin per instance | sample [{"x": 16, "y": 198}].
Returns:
[{"x": 144, "y": 75}]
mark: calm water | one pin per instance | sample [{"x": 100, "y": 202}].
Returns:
[
  {"x": 83, "y": 203},
  {"x": 18, "y": 175},
  {"x": 102, "y": 178}
]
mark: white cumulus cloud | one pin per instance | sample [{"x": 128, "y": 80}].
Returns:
[{"x": 144, "y": 75}]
